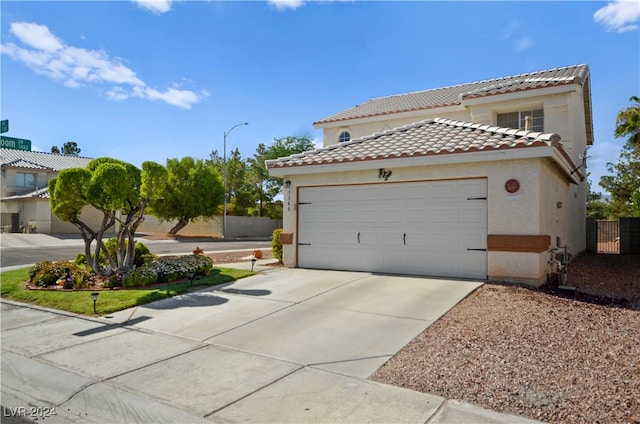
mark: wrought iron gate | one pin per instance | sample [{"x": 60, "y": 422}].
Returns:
[{"x": 608, "y": 236}]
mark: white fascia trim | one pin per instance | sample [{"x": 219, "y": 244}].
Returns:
[
  {"x": 420, "y": 114},
  {"x": 566, "y": 166},
  {"x": 442, "y": 159},
  {"x": 537, "y": 92}
]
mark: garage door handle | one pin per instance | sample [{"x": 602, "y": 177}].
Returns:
[
  {"x": 358, "y": 238},
  {"x": 404, "y": 238},
  {"x": 477, "y": 250}
]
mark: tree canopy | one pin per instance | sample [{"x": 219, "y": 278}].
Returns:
[
  {"x": 624, "y": 184},
  {"x": 191, "y": 189},
  {"x": 250, "y": 189},
  {"x": 628, "y": 123},
  {"x": 68, "y": 148},
  {"x": 117, "y": 189}
]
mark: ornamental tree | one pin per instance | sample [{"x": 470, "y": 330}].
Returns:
[
  {"x": 192, "y": 189},
  {"x": 117, "y": 189}
]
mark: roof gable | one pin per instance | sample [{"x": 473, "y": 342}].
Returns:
[
  {"x": 424, "y": 138},
  {"x": 456, "y": 94}
]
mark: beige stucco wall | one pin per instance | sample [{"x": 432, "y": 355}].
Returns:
[
  {"x": 237, "y": 226},
  {"x": 530, "y": 211},
  {"x": 89, "y": 215},
  {"x": 9, "y": 187},
  {"x": 563, "y": 210},
  {"x": 36, "y": 214}
]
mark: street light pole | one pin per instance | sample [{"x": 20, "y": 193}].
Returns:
[{"x": 224, "y": 171}]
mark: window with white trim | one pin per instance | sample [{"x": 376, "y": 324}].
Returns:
[
  {"x": 517, "y": 119},
  {"x": 24, "y": 179},
  {"x": 344, "y": 137}
]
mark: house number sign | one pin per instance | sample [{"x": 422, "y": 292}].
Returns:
[
  {"x": 512, "y": 185},
  {"x": 384, "y": 174}
]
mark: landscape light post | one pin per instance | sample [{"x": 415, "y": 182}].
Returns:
[
  {"x": 94, "y": 297},
  {"x": 224, "y": 171}
]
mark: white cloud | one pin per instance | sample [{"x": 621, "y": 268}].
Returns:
[
  {"x": 117, "y": 93},
  {"x": 155, "y": 6},
  {"x": 286, "y": 4},
  {"x": 45, "y": 54},
  {"x": 513, "y": 32},
  {"x": 523, "y": 43},
  {"x": 36, "y": 36},
  {"x": 619, "y": 16},
  {"x": 173, "y": 96}
]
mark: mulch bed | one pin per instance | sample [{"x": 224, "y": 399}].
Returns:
[{"x": 545, "y": 354}]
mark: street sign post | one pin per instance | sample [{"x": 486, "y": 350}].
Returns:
[
  {"x": 15, "y": 143},
  {"x": 4, "y": 126}
]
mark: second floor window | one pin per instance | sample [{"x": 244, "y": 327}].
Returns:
[
  {"x": 517, "y": 119},
  {"x": 344, "y": 137},
  {"x": 25, "y": 180}
]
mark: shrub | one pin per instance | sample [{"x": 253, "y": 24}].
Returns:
[
  {"x": 169, "y": 269},
  {"x": 47, "y": 273},
  {"x": 148, "y": 259},
  {"x": 140, "y": 277},
  {"x": 276, "y": 246},
  {"x": 114, "y": 280},
  {"x": 81, "y": 259}
]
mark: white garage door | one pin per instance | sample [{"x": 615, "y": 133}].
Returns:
[{"x": 434, "y": 228}]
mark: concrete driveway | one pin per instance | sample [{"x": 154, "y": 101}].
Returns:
[{"x": 288, "y": 345}]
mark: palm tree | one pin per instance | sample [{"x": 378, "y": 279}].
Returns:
[{"x": 628, "y": 123}]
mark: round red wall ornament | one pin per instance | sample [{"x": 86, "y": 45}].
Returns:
[{"x": 512, "y": 185}]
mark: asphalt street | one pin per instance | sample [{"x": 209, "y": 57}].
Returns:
[{"x": 27, "y": 249}]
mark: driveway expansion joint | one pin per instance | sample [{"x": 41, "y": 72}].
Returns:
[{"x": 255, "y": 391}]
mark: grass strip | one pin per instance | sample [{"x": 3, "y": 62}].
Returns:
[{"x": 12, "y": 287}]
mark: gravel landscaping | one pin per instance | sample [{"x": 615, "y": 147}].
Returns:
[{"x": 551, "y": 355}]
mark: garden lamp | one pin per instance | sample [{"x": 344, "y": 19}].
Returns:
[{"x": 94, "y": 296}]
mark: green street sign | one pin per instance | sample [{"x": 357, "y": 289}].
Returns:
[
  {"x": 15, "y": 143},
  {"x": 4, "y": 126}
]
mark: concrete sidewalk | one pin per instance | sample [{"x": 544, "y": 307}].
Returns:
[{"x": 287, "y": 345}]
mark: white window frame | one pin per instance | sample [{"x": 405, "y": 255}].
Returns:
[
  {"x": 21, "y": 180},
  {"x": 341, "y": 136},
  {"x": 537, "y": 121}
]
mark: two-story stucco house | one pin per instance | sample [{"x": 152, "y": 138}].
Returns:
[
  {"x": 476, "y": 180},
  {"x": 24, "y": 195}
]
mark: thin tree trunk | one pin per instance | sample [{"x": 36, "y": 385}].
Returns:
[{"x": 182, "y": 222}]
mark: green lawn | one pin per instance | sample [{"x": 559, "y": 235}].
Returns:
[{"x": 12, "y": 287}]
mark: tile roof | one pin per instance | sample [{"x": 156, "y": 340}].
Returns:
[
  {"x": 425, "y": 138},
  {"x": 42, "y": 193},
  {"x": 40, "y": 160},
  {"x": 455, "y": 95}
]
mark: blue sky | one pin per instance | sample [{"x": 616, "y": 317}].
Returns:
[{"x": 158, "y": 79}]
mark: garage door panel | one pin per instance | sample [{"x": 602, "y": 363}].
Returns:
[{"x": 415, "y": 228}]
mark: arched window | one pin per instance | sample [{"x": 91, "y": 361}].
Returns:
[{"x": 344, "y": 137}]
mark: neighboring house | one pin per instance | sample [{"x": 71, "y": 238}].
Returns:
[
  {"x": 24, "y": 195},
  {"x": 475, "y": 180}
]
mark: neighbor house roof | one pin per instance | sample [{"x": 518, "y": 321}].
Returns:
[
  {"x": 40, "y": 160},
  {"x": 425, "y": 138},
  {"x": 456, "y": 94},
  {"x": 41, "y": 193}
]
